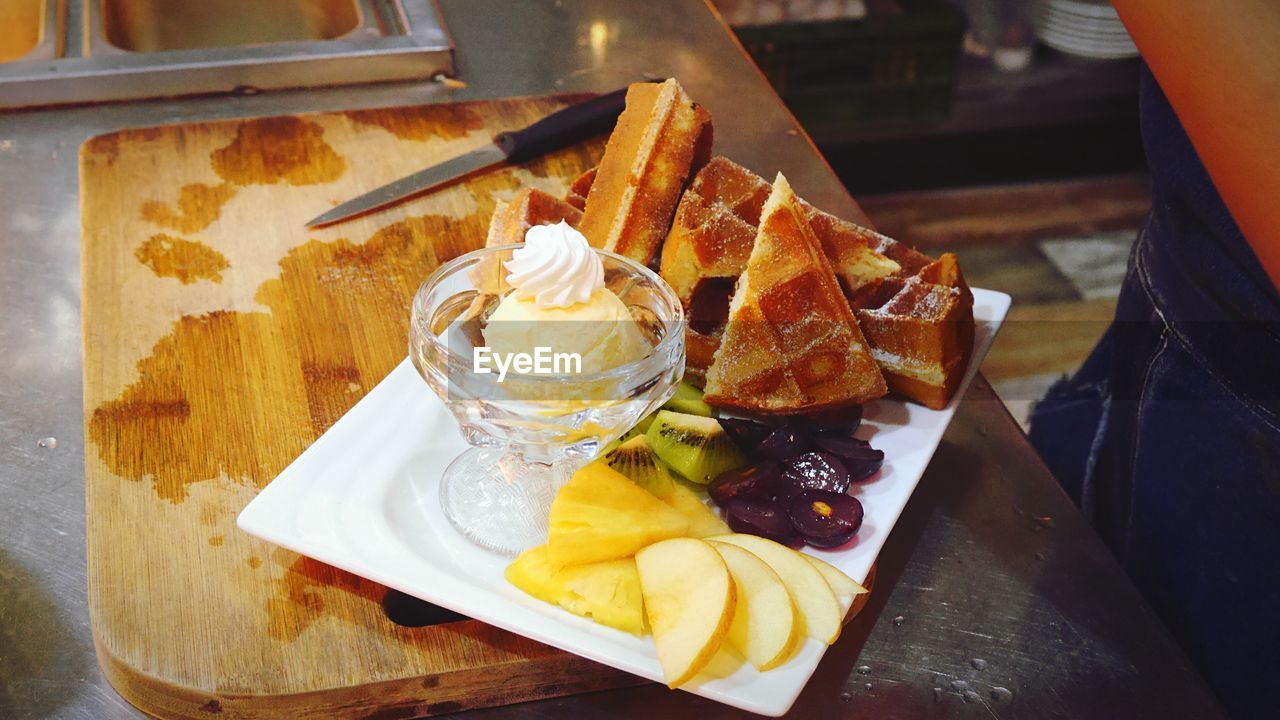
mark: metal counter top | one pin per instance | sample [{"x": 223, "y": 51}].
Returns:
[{"x": 994, "y": 599}]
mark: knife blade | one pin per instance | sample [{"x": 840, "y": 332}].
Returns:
[{"x": 562, "y": 128}]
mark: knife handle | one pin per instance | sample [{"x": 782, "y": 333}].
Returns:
[{"x": 562, "y": 128}]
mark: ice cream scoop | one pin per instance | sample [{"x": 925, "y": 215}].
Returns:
[{"x": 560, "y": 303}]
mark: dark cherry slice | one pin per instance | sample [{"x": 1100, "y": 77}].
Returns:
[
  {"x": 815, "y": 471},
  {"x": 844, "y": 421},
  {"x": 831, "y": 542},
  {"x": 860, "y": 459},
  {"x": 746, "y": 434},
  {"x": 823, "y": 517},
  {"x": 841, "y": 445},
  {"x": 785, "y": 442},
  {"x": 753, "y": 482},
  {"x": 765, "y": 518},
  {"x": 859, "y": 471}
]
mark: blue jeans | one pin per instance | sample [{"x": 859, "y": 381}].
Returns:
[{"x": 1168, "y": 438}]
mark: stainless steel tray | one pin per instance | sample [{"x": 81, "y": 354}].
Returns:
[
  {"x": 28, "y": 30},
  {"x": 98, "y": 50}
]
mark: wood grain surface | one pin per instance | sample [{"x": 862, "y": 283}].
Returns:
[{"x": 221, "y": 338}]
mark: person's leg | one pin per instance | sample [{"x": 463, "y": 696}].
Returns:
[
  {"x": 1179, "y": 472},
  {"x": 1201, "y": 539},
  {"x": 1066, "y": 424},
  {"x": 1082, "y": 426}
]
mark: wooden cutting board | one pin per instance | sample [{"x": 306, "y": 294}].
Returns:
[{"x": 220, "y": 339}]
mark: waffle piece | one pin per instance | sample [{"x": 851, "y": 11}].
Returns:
[
  {"x": 577, "y": 195},
  {"x": 920, "y": 329},
  {"x": 712, "y": 236},
  {"x": 707, "y": 249},
  {"x": 791, "y": 343},
  {"x": 510, "y": 221},
  {"x": 699, "y": 351},
  {"x": 646, "y": 162},
  {"x": 531, "y": 206},
  {"x": 861, "y": 255},
  {"x": 736, "y": 188},
  {"x": 707, "y": 242},
  {"x": 706, "y": 238}
]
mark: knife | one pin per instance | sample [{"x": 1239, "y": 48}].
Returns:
[{"x": 562, "y": 128}]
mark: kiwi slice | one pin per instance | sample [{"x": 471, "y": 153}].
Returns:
[
  {"x": 639, "y": 463},
  {"x": 688, "y": 400},
  {"x": 694, "y": 446}
]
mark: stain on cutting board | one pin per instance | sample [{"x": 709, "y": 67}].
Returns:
[
  {"x": 240, "y": 394},
  {"x": 310, "y": 584},
  {"x": 278, "y": 149},
  {"x": 107, "y": 147},
  {"x": 237, "y": 392},
  {"x": 186, "y": 260},
  {"x": 447, "y": 123},
  {"x": 198, "y": 206}
]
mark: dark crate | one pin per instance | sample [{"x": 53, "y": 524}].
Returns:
[{"x": 848, "y": 74}]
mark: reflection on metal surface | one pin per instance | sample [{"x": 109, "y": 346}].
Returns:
[
  {"x": 154, "y": 25},
  {"x": 20, "y": 27},
  {"x": 28, "y": 29},
  {"x": 598, "y": 38},
  {"x": 131, "y": 49}
]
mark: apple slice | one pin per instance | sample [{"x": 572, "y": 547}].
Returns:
[
  {"x": 764, "y": 629},
  {"x": 842, "y": 585},
  {"x": 817, "y": 603},
  {"x": 689, "y": 598}
]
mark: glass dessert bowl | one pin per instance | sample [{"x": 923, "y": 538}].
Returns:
[{"x": 533, "y": 422}]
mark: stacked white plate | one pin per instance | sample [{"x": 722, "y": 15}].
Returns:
[{"x": 1086, "y": 28}]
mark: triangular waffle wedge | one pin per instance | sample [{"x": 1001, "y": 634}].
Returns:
[
  {"x": 861, "y": 255},
  {"x": 531, "y": 206},
  {"x": 736, "y": 188},
  {"x": 712, "y": 234},
  {"x": 711, "y": 238},
  {"x": 791, "y": 344},
  {"x": 708, "y": 238},
  {"x": 719, "y": 212},
  {"x": 920, "y": 329},
  {"x": 649, "y": 156},
  {"x": 509, "y": 223},
  {"x": 577, "y": 195},
  {"x": 707, "y": 249}
]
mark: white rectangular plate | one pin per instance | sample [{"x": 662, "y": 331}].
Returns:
[{"x": 364, "y": 498}]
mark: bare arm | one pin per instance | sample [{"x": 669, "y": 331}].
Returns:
[{"x": 1219, "y": 65}]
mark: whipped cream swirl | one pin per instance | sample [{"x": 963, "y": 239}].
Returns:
[{"x": 555, "y": 268}]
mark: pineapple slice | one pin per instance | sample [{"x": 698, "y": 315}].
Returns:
[
  {"x": 703, "y": 521},
  {"x": 606, "y": 592},
  {"x": 601, "y": 515},
  {"x": 640, "y": 464}
]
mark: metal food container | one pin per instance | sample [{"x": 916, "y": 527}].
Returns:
[
  {"x": 97, "y": 50},
  {"x": 29, "y": 29},
  {"x": 159, "y": 25}
]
